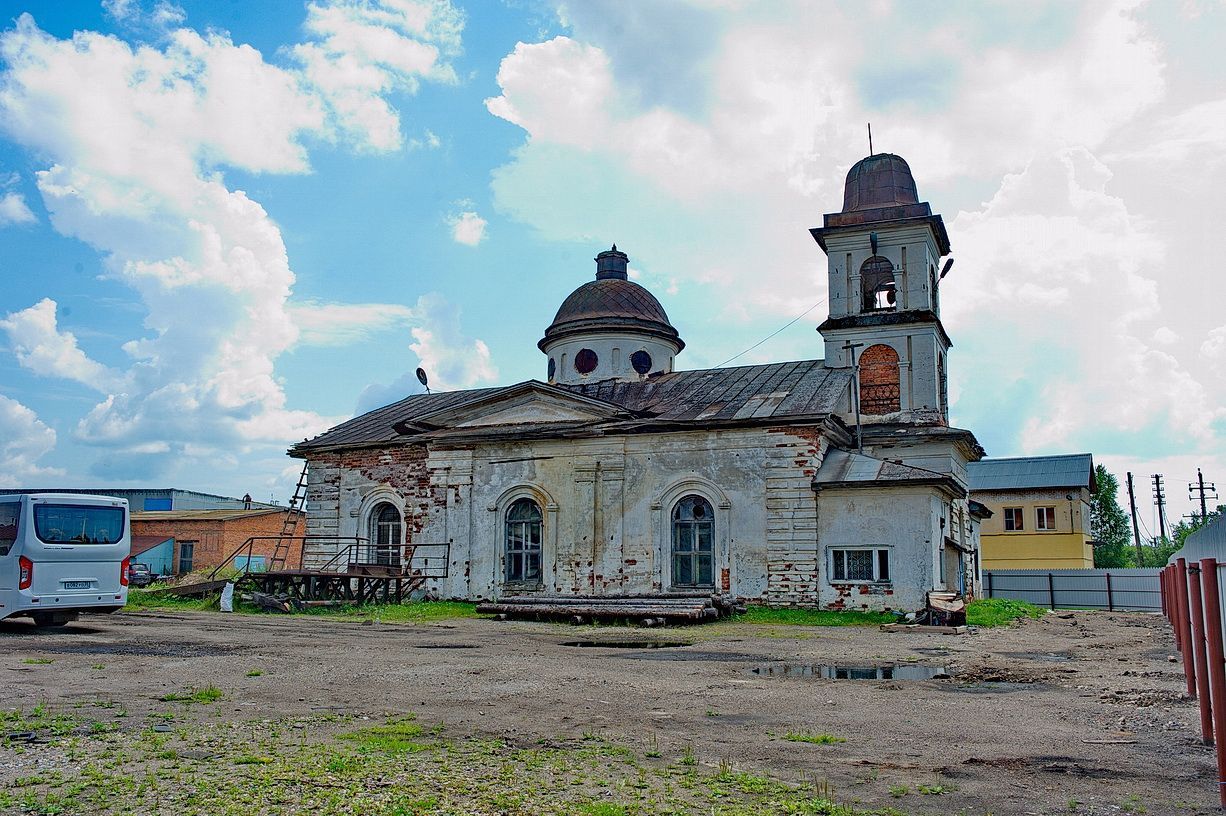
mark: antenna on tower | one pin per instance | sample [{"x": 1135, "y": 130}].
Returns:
[{"x": 870, "y": 138}]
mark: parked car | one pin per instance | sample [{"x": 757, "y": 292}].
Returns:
[{"x": 139, "y": 575}]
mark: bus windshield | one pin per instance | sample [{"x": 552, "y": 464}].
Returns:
[{"x": 78, "y": 524}]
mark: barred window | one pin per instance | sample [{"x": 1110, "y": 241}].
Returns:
[{"x": 864, "y": 565}]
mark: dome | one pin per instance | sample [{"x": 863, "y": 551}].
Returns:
[
  {"x": 612, "y": 302},
  {"x": 881, "y": 180}
]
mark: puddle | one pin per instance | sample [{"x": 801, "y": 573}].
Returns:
[
  {"x": 901, "y": 672},
  {"x": 627, "y": 644}
]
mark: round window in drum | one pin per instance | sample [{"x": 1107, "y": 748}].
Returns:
[
  {"x": 585, "y": 361},
  {"x": 641, "y": 361}
]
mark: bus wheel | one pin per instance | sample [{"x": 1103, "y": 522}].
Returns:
[{"x": 50, "y": 619}]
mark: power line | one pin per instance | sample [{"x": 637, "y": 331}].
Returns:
[{"x": 769, "y": 336}]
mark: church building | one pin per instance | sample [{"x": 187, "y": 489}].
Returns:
[{"x": 833, "y": 482}]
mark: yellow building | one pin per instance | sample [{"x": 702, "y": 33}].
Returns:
[{"x": 1040, "y": 511}]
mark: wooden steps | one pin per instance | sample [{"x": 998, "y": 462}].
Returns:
[{"x": 649, "y": 610}]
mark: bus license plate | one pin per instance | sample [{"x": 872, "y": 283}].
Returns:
[{"x": 77, "y": 584}]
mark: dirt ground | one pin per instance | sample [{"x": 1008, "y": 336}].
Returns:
[{"x": 1072, "y": 713}]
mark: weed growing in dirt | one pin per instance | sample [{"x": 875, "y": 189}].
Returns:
[
  {"x": 811, "y": 617},
  {"x": 899, "y": 791},
  {"x": 38, "y": 661},
  {"x": 815, "y": 739},
  {"x": 208, "y": 694},
  {"x": 1133, "y": 805},
  {"x": 254, "y": 673},
  {"x": 999, "y": 611},
  {"x": 935, "y": 789}
]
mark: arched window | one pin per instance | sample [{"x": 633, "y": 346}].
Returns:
[
  {"x": 523, "y": 542},
  {"x": 693, "y": 543},
  {"x": 879, "y": 392},
  {"x": 386, "y": 534},
  {"x": 877, "y": 284}
]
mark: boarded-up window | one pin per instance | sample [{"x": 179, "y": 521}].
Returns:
[{"x": 879, "y": 392}]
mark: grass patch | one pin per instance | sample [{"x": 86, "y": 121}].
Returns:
[
  {"x": 382, "y": 770},
  {"x": 814, "y": 739},
  {"x": 1000, "y": 611},
  {"x": 38, "y": 661},
  {"x": 255, "y": 673},
  {"x": 793, "y": 616},
  {"x": 394, "y": 737},
  {"x": 411, "y": 612},
  {"x": 208, "y": 694},
  {"x": 935, "y": 789},
  {"x": 140, "y": 600}
]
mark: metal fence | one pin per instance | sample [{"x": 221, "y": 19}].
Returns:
[{"x": 1111, "y": 589}]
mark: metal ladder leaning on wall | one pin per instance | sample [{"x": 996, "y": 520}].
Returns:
[{"x": 290, "y": 525}]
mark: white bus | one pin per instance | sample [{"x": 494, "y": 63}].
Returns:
[{"x": 62, "y": 554}]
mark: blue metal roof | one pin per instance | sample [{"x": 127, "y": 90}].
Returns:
[{"x": 1025, "y": 472}]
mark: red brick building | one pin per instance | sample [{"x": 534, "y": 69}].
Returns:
[{"x": 203, "y": 539}]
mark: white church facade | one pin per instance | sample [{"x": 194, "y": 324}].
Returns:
[{"x": 620, "y": 474}]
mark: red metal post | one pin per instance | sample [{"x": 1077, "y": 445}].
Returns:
[
  {"x": 1216, "y": 665},
  {"x": 1162, "y": 592},
  {"x": 1197, "y": 614},
  {"x": 1182, "y": 624}
]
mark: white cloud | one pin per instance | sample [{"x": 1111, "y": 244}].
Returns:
[
  {"x": 135, "y": 139},
  {"x": 41, "y": 347},
  {"x": 340, "y": 324},
  {"x": 451, "y": 358},
  {"x": 467, "y": 228},
  {"x": 14, "y": 210},
  {"x": 24, "y": 439},
  {"x": 364, "y": 49}
]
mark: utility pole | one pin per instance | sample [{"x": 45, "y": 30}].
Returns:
[
  {"x": 1160, "y": 500},
  {"x": 1203, "y": 489},
  {"x": 1136, "y": 531},
  {"x": 855, "y": 391}
]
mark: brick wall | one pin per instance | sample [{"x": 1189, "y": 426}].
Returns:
[{"x": 216, "y": 539}]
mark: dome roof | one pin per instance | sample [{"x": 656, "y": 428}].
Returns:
[
  {"x": 881, "y": 180},
  {"x": 611, "y": 302}
]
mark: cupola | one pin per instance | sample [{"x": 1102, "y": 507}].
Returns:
[{"x": 609, "y": 328}]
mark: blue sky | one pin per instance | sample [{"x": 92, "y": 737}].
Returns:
[{"x": 222, "y": 230}]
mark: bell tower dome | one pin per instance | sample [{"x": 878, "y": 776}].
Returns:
[
  {"x": 609, "y": 328},
  {"x": 882, "y": 255}
]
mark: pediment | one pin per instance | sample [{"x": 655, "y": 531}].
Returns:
[{"x": 524, "y": 404}]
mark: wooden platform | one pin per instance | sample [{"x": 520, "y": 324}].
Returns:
[{"x": 648, "y": 610}]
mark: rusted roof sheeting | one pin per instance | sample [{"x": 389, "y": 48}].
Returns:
[
  {"x": 376, "y": 426},
  {"x": 761, "y": 392}
]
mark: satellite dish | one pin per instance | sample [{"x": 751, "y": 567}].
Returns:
[{"x": 421, "y": 378}]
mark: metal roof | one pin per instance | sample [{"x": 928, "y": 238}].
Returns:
[
  {"x": 707, "y": 396},
  {"x": 1026, "y": 472},
  {"x": 844, "y": 468},
  {"x": 204, "y": 515}
]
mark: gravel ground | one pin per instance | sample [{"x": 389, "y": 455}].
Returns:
[{"x": 1075, "y": 712}]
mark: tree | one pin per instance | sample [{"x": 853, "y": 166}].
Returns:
[
  {"x": 1109, "y": 524},
  {"x": 1191, "y": 524}
]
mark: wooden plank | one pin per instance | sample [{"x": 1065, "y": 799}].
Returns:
[{"x": 915, "y": 627}]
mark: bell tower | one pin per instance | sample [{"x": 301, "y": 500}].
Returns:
[{"x": 883, "y": 254}]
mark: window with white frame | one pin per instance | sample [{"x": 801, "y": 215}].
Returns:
[
  {"x": 863, "y": 565},
  {"x": 522, "y": 542},
  {"x": 1013, "y": 519},
  {"x": 1045, "y": 518}
]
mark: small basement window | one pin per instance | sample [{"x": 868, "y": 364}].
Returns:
[
  {"x": 1045, "y": 518},
  {"x": 860, "y": 565},
  {"x": 1013, "y": 519}
]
